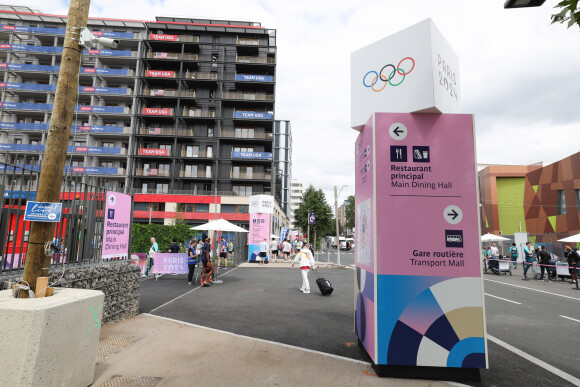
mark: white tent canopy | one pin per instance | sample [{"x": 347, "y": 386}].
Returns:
[
  {"x": 492, "y": 237},
  {"x": 219, "y": 225},
  {"x": 571, "y": 239}
]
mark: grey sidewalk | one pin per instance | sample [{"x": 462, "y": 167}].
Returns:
[{"x": 170, "y": 353}]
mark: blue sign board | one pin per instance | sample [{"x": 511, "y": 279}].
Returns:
[
  {"x": 252, "y": 155},
  {"x": 284, "y": 233},
  {"x": 29, "y": 126},
  {"x": 97, "y": 70},
  {"x": 254, "y": 78},
  {"x": 61, "y": 31},
  {"x": 82, "y": 89},
  {"x": 108, "y": 52},
  {"x": 32, "y": 48},
  {"x": 22, "y": 147},
  {"x": 42, "y": 212},
  {"x": 28, "y": 195},
  {"x": 28, "y": 67},
  {"x": 253, "y": 115},
  {"x": 48, "y": 106}
]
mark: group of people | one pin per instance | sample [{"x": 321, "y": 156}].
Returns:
[{"x": 543, "y": 257}]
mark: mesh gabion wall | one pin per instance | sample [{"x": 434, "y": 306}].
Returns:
[{"x": 119, "y": 281}]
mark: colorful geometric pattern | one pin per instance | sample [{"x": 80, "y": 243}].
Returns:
[{"x": 442, "y": 326}]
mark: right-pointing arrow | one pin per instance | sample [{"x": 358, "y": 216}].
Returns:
[{"x": 453, "y": 214}]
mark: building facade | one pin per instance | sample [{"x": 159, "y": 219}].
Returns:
[
  {"x": 283, "y": 163},
  {"x": 296, "y": 193},
  {"x": 541, "y": 200},
  {"x": 181, "y": 107}
]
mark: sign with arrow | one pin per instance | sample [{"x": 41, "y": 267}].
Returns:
[
  {"x": 398, "y": 131},
  {"x": 453, "y": 214}
]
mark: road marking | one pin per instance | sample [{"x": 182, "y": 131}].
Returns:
[
  {"x": 261, "y": 340},
  {"x": 535, "y": 290},
  {"x": 185, "y": 294},
  {"x": 569, "y": 318},
  {"x": 538, "y": 362},
  {"x": 505, "y": 299}
]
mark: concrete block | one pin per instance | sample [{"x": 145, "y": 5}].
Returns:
[{"x": 50, "y": 341}]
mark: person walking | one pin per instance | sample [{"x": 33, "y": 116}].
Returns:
[
  {"x": 206, "y": 278},
  {"x": 529, "y": 259},
  {"x": 306, "y": 262},
  {"x": 263, "y": 251},
  {"x": 191, "y": 260},
  {"x": 286, "y": 250},
  {"x": 514, "y": 255},
  {"x": 224, "y": 252},
  {"x": 544, "y": 258},
  {"x": 274, "y": 249},
  {"x": 152, "y": 250}
]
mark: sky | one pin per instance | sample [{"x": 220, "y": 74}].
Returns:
[{"x": 519, "y": 74}]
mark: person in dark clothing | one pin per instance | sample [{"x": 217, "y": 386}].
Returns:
[
  {"x": 206, "y": 278},
  {"x": 544, "y": 258},
  {"x": 191, "y": 260},
  {"x": 174, "y": 248},
  {"x": 573, "y": 261}
]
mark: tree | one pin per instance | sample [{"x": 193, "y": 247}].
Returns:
[
  {"x": 569, "y": 13},
  {"x": 349, "y": 211},
  {"x": 314, "y": 200}
]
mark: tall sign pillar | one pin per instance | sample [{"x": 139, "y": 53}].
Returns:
[
  {"x": 261, "y": 210},
  {"x": 419, "y": 291}
]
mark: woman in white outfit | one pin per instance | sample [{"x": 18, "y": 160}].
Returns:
[{"x": 306, "y": 260}]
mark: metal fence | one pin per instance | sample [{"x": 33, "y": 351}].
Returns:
[
  {"x": 550, "y": 241},
  {"x": 78, "y": 235}
]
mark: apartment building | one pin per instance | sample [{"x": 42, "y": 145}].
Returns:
[
  {"x": 296, "y": 193},
  {"x": 182, "y": 106}
]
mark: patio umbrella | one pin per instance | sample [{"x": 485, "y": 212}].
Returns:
[
  {"x": 492, "y": 237},
  {"x": 219, "y": 225},
  {"x": 274, "y": 236},
  {"x": 571, "y": 239}
]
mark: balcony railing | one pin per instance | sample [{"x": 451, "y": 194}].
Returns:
[
  {"x": 185, "y": 132},
  {"x": 157, "y": 131},
  {"x": 198, "y": 174},
  {"x": 188, "y": 112},
  {"x": 199, "y": 154},
  {"x": 255, "y": 59},
  {"x": 160, "y": 92},
  {"x": 152, "y": 172},
  {"x": 250, "y": 176},
  {"x": 232, "y": 134},
  {"x": 248, "y": 96},
  {"x": 248, "y": 42},
  {"x": 191, "y": 192},
  {"x": 200, "y": 75}
]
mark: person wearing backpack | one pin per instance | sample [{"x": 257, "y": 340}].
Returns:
[
  {"x": 514, "y": 253},
  {"x": 306, "y": 260}
]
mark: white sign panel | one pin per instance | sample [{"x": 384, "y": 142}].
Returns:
[
  {"x": 261, "y": 204},
  {"x": 412, "y": 71}
]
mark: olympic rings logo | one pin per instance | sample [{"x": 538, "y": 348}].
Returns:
[{"x": 388, "y": 80}]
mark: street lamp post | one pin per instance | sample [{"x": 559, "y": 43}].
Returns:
[{"x": 336, "y": 219}]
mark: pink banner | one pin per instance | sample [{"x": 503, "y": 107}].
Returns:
[
  {"x": 168, "y": 263},
  {"x": 259, "y": 228},
  {"x": 117, "y": 225}
]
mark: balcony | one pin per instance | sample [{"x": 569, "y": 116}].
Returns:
[
  {"x": 198, "y": 174},
  {"x": 157, "y": 131},
  {"x": 171, "y": 55},
  {"x": 248, "y": 96},
  {"x": 248, "y": 42},
  {"x": 250, "y": 176},
  {"x": 196, "y": 112},
  {"x": 196, "y": 155},
  {"x": 200, "y": 75},
  {"x": 160, "y": 92},
  {"x": 232, "y": 134},
  {"x": 152, "y": 172},
  {"x": 174, "y": 38},
  {"x": 255, "y": 59}
]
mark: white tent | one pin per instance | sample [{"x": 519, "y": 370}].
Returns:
[
  {"x": 571, "y": 239},
  {"x": 219, "y": 225},
  {"x": 492, "y": 237}
]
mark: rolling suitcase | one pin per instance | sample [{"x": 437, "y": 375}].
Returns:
[{"x": 323, "y": 284}]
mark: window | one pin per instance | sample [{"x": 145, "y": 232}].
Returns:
[
  {"x": 214, "y": 58},
  {"x": 201, "y": 207},
  {"x": 191, "y": 171},
  {"x": 243, "y": 149},
  {"x": 79, "y": 143},
  {"x": 208, "y": 171},
  {"x": 142, "y": 206},
  {"x": 163, "y": 169},
  {"x": 162, "y": 188},
  {"x": 192, "y": 151},
  {"x": 578, "y": 200},
  {"x": 76, "y": 163},
  {"x": 108, "y": 144},
  {"x": 106, "y": 164},
  {"x": 234, "y": 209},
  {"x": 210, "y": 131},
  {"x": 18, "y": 141},
  {"x": 242, "y": 190},
  {"x": 242, "y": 172},
  {"x": 34, "y": 142},
  {"x": 209, "y": 150},
  {"x": 165, "y": 146},
  {"x": 244, "y": 132},
  {"x": 561, "y": 205}
]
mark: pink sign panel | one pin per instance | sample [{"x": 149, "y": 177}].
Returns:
[
  {"x": 117, "y": 225},
  {"x": 426, "y": 195},
  {"x": 259, "y": 228},
  {"x": 169, "y": 263}
]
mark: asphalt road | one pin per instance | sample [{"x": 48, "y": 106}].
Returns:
[{"x": 265, "y": 303}]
